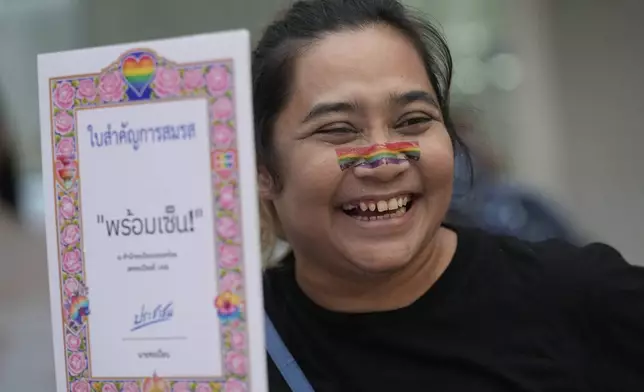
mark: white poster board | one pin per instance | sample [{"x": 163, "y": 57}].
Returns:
[{"x": 151, "y": 216}]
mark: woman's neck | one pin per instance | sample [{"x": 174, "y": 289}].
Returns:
[{"x": 359, "y": 293}]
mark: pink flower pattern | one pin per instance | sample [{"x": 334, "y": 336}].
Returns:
[
  {"x": 236, "y": 363},
  {"x": 223, "y": 136},
  {"x": 167, "y": 82},
  {"x": 218, "y": 80},
  {"x": 232, "y": 281},
  {"x": 238, "y": 340},
  {"x": 109, "y": 387},
  {"x": 70, "y": 287},
  {"x": 222, "y": 109},
  {"x": 76, "y": 363},
  {"x": 110, "y": 87},
  {"x": 63, "y": 122},
  {"x": 64, "y": 95},
  {"x": 227, "y": 228},
  {"x": 131, "y": 387},
  {"x": 71, "y": 235},
  {"x": 193, "y": 79},
  {"x": 65, "y": 148},
  {"x": 81, "y": 386},
  {"x": 228, "y": 256},
  {"x": 86, "y": 90},
  {"x": 202, "y": 387},
  {"x": 181, "y": 386},
  {"x": 67, "y": 207},
  {"x": 234, "y": 385},
  {"x": 72, "y": 263},
  {"x": 73, "y": 342},
  {"x": 227, "y": 199}
]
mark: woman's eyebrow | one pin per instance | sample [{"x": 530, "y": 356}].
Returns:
[
  {"x": 324, "y": 108},
  {"x": 402, "y": 99}
]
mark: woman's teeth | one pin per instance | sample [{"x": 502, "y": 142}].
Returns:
[{"x": 378, "y": 209}]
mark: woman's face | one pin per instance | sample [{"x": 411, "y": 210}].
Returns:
[{"x": 353, "y": 89}]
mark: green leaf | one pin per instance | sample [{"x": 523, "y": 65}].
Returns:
[{"x": 75, "y": 83}]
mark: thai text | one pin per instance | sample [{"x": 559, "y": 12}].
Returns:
[
  {"x": 166, "y": 224},
  {"x": 135, "y": 137}
]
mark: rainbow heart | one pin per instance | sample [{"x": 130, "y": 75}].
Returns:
[{"x": 138, "y": 71}]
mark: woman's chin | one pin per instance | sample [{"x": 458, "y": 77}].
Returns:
[{"x": 380, "y": 259}]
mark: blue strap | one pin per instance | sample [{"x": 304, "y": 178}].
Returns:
[{"x": 284, "y": 361}]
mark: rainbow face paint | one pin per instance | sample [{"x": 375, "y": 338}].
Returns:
[{"x": 390, "y": 153}]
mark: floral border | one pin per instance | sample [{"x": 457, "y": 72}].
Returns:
[{"x": 167, "y": 80}]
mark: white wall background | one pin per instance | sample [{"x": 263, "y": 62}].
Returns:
[{"x": 581, "y": 136}]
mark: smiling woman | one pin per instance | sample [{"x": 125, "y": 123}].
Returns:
[{"x": 355, "y": 150}]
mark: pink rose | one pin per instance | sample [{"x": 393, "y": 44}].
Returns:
[
  {"x": 222, "y": 109},
  {"x": 236, "y": 363},
  {"x": 222, "y": 136},
  {"x": 167, "y": 82},
  {"x": 72, "y": 262},
  {"x": 65, "y": 169},
  {"x": 232, "y": 281},
  {"x": 181, "y": 386},
  {"x": 80, "y": 386},
  {"x": 131, "y": 387},
  {"x": 110, "y": 87},
  {"x": 73, "y": 342},
  {"x": 229, "y": 255},
  {"x": 77, "y": 363},
  {"x": 70, "y": 287},
  {"x": 71, "y": 234},
  {"x": 63, "y": 122},
  {"x": 218, "y": 80},
  {"x": 193, "y": 79},
  {"x": 237, "y": 340},
  {"x": 65, "y": 148},
  {"x": 86, "y": 90},
  {"x": 227, "y": 197},
  {"x": 203, "y": 387},
  {"x": 233, "y": 385},
  {"x": 67, "y": 207},
  {"x": 64, "y": 95},
  {"x": 227, "y": 227},
  {"x": 109, "y": 387}
]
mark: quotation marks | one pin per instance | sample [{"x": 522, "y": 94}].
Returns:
[{"x": 170, "y": 222}]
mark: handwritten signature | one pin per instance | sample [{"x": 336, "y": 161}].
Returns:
[{"x": 145, "y": 318}]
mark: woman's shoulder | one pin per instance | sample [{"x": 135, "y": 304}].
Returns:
[{"x": 585, "y": 269}]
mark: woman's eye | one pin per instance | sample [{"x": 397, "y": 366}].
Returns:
[
  {"x": 337, "y": 131},
  {"x": 413, "y": 121}
]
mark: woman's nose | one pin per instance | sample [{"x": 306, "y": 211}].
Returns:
[{"x": 384, "y": 172}]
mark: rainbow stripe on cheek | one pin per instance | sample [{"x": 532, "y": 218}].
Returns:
[{"x": 377, "y": 155}]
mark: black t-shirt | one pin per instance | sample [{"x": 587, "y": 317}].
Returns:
[{"x": 505, "y": 316}]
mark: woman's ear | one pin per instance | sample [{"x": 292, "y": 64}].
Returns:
[{"x": 265, "y": 183}]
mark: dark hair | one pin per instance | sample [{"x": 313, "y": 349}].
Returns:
[{"x": 310, "y": 20}]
